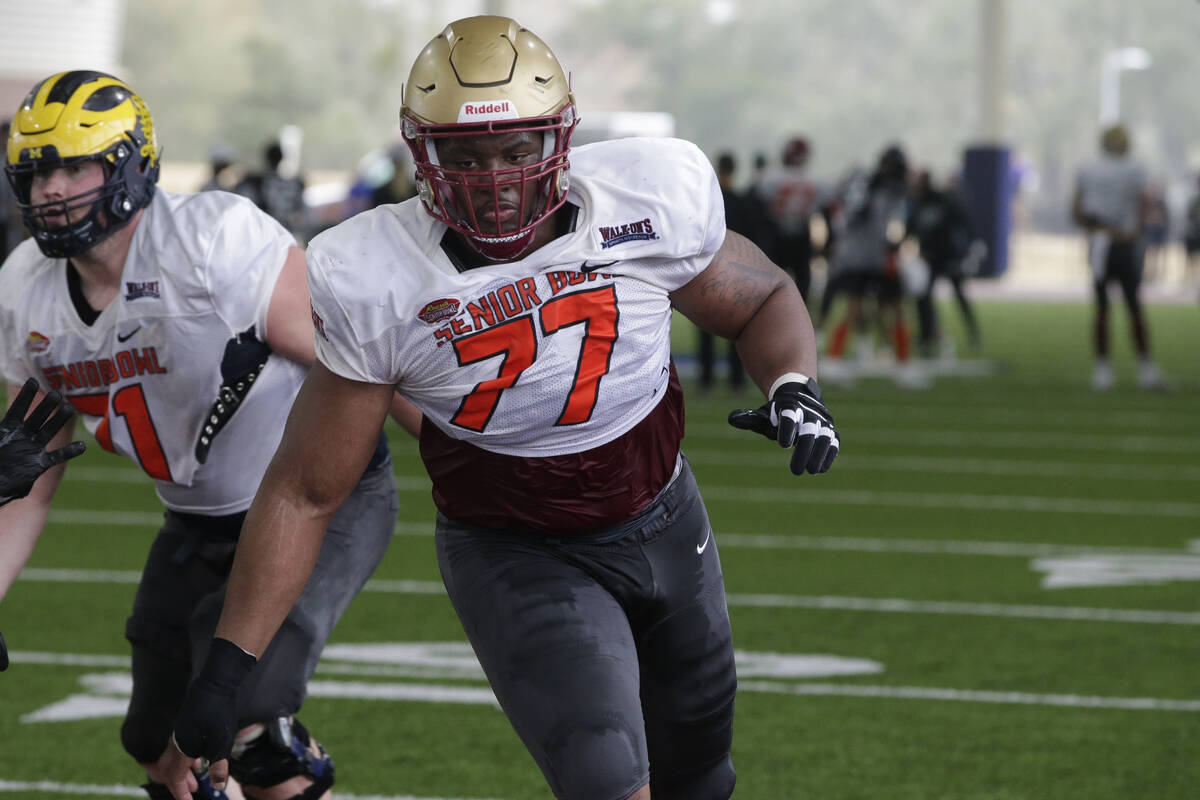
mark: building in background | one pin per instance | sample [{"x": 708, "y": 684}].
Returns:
[{"x": 38, "y": 39}]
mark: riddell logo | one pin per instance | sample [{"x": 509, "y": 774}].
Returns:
[{"x": 493, "y": 109}]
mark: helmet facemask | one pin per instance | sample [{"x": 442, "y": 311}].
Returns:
[{"x": 534, "y": 191}]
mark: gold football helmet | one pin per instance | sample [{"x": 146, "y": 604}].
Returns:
[
  {"x": 483, "y": 76},
  {"x": 80, "y": 116}
]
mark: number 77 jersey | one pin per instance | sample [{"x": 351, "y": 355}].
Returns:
[{"x": 559, "y": 352}]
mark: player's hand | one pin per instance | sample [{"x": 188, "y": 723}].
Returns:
[
  {"x": 207, "y": 721},
  {"x": 796, "y": 417},
  {"x": 23, "y": 457},
  {"x": 3, "y": 654}
]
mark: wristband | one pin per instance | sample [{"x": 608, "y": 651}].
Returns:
[{"x": 787, "y": 377}]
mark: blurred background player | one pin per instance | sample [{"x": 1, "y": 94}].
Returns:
[
  {"x": 1191, "y": 235},
  {"x": 790, "y": 198},
  {"x": 938, "y": 220},
  {"x": 867, "y": 228},
  {"x": 741, "y": 216},
  {"x": 223, "y": 170},
  {"x": 277, "y": 191},
  {"x": 1110, "y": 204},
  {"x": 178, "y": 325},
  {"x": 527, "y": 310}
]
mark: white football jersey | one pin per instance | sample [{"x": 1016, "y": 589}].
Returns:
[
  {"x": 201, "y": 268},
  {"x": 1110, "y": 190},
  {"x": 558, "y": 352}
]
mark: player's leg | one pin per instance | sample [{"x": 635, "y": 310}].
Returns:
[
  {"x": 187, "y": 561},
  {"x": 274, "y": 756},
  {"x": 1127, "y": 270},
  {"x": 559, "y": 655},
  {"x": 1102, "y": 373},
  {"x": 974, "y": 336},
  {"x": 927, "y": 323},
  {"x": 685, "y": 647}
]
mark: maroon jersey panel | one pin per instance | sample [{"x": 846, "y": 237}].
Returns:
[{"x": 559, "y": 495}]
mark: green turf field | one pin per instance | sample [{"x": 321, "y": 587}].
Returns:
[{"x": 994, "y": 594}]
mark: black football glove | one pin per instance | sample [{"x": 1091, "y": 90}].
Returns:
[
  {"x": 3, "y": 654},
  {"x": 796, "y": 417},
  {"x": 22, "y": 441},
  {"x": 207, "y": 722}
]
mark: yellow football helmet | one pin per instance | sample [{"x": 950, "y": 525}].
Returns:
[
  {"x": 79, "y": 116},
  {"x": 488, "y": 75}
]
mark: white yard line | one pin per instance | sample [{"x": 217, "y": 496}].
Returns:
[
  {"x": 963, "y": 466},
  {"x": 850, "y": 497},
  {"x": 956, "y": 500},
  {"x": 1019, "y": 437},
  {"x": 826, "y": 603},
  {"x": 971, "y": 696},
  {"x": 902, "y": 606}
]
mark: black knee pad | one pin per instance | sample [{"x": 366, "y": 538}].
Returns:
[
  {"x": 145, "y": 735},
  {"x": 279, "y": 753},
  {"x": 712, "y": 782}
]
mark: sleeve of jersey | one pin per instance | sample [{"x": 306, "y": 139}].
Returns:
[
  {"x": 708, "y": 223},
  {"x": 247, "y": 254},
  {"x": 334, "y": 334}
]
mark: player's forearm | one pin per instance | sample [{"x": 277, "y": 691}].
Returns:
[
  {"x": 21, "y": 523},
  {"x": 406, "y": 414},
  {"x": 778, "y": 339},
  {"x": 276, "y": 553}
]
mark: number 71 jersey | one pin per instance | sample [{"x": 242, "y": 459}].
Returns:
[{"x": 558, "y": 352}]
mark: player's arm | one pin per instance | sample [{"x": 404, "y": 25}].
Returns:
[
  {"x": 290, "y": 330},
  {"x": 330, "y": 436},
  {"x": 28, "y": 448},
  {"x": 742, "y": 296}
]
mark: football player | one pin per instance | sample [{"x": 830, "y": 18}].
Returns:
[
  {"x": 1111, "y": 204},
  {"x": 523, "y": 302},
  {"x": 179, "y": 327}
]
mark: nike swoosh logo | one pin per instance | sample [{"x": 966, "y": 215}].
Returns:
[
  {"x": 125, "y": 338},
  {"x": 700, "y": 547},
  {"x": 586, "y": 267}
]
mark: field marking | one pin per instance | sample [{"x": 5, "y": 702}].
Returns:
[
  {"x": 902, "y": 606},
  {"x": 959, "y": 466},
  {"x": 1022, "y": 438},
  {"x": 134, "y": 475},
  {"x": 957, "y": 500},
  {"x": 860, "y": 544},
  {"x": 850, "y": 497},
  {"x": 109, "y": 692},
  {"x": 57, "y": 787},
  {"x": 973, "y": 696},
  {"x": 822, "y": 603}
]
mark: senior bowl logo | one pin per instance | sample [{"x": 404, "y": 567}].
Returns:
[
  {"x": 37, "y": 343},
  {"x": 437, "y": 311}
]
